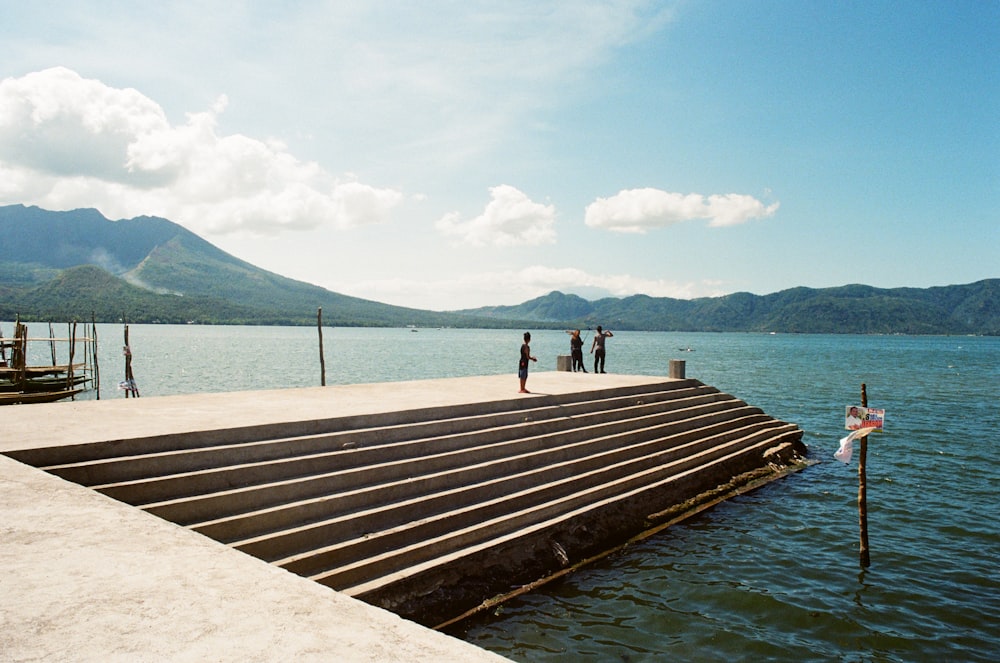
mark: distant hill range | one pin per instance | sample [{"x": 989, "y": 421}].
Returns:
[
  {"x": 57, "y": 266},
  {"x": 855, "y": 309},
  {"x": 69, "y": 265}
]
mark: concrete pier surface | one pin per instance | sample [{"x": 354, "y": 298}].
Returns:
[{"x": 85, "y": 577}]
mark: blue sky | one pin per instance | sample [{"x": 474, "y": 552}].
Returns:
[{"x": 447, "y": 155}]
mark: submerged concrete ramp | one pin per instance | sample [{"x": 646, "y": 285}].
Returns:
[{"x": 426, "y": 497}]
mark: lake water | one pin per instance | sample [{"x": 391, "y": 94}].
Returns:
[{"x": 773, "y": 575}]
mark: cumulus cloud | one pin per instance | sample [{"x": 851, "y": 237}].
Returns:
[
  {"x": 67, "y": 141},
  {"x": 543, "y": 280},
  {"x": 638, "y": 210},
  {"x": 510, "y": 219},
  {"x": 516, "y": 286}
]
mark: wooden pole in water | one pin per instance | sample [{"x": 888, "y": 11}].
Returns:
[
  {"x": 130, "y": 385},
  {"x": 52, "y": 343},
  {"x": 322, "y": 362},
  {"x": 863, "y": 489},
  {"x": 127, "y": 351},
  {"x": 97, "y": 370},
  {"x": 72, "y": 355},
  {"x": 21, "y": 356}
]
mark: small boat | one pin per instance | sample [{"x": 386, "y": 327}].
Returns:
[
  {"x": 43, "y": 383},
  {"x": 21, "y": 382},
  {"x": 9, "y": 398}
]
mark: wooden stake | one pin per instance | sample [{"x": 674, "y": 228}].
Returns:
[
  {"x": 72, "y": 356},
  {"x": 863, "y": 489},
  {"x": 322, "y": 362},
  {"x": 97, "y": 370},
  {"x": 21, "y": 356},
  {"x": 52, "y": 343},
  {"x": 130, "y": 385}
]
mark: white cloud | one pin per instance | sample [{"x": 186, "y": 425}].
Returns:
[
  {"x": 638, "y": 210},
  {"x": 67, "y": 141},
  {"x": 516, "y": 286},
  {"x": 490, "y": 71},
  {"x": 543, "y": 280},
  {"x": 510, "y": 219}
]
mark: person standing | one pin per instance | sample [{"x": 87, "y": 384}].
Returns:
[
  {"x": 598, "y": 345},
  {"x": 522, "y": 365},
  {"x": 576, "y": 349}
]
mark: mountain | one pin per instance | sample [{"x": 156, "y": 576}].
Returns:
[
  {"x": 859, "y": 309},
  {"x": 70, "y": 265},
  {"x": 156, "y": 271},
  {"x": 93, "y": 290}
]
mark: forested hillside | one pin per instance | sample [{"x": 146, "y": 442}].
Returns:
[
  {"x": 859, "y": 309},
  {"x": 72, "y": 265}
]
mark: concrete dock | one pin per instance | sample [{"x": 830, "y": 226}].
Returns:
[{"x": 85, "y": 577}]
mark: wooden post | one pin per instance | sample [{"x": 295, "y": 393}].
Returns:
[
  {"x": 72, "y": 356},
  {"x": 130, "y": 385},
  {"x": 322, "y": 362},
  {"x": 52, "y": 343},
  {"x": 21, "y": 355},
  {"x": 127, "y": 351},
  {"x": 863, "y": 490},
  {"x": 97, "y": 370}
]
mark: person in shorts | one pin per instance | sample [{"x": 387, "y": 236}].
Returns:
[
  {"x": 522, "y": 364},
  {"x": 598, "y": 345}
]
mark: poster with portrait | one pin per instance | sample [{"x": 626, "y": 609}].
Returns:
[{"x": 857, "y": 417}]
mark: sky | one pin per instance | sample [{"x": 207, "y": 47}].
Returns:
[{"x": 446, "y": 155}]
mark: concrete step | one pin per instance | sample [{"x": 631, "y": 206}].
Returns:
[
  {"x": 234, "y": 502},
  {"x": 339, "y": 516},
  {"x": 401, "y": 507},
  {"x": 439, "y": 452},
  {"x": 387, "y": 556},
  {"x": 186, "y": 458},
  {"x": 420, "y": 458},
  {"x": 113, "y": 447},
  {"x": 119, "y": 448},
  {"x": 386, "y": 529}
]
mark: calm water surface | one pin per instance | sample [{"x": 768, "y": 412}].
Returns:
[{"x": 773, "y": 575}]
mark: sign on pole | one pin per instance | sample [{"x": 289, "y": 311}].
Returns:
[
  {"x": 860, "y": 420},
  {"x": 858, "y": 416}
]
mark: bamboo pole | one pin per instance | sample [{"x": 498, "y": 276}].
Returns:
[
  {"x": 87, "y": 368},
  {"x": 52, "y": 343},
  {"x": 72, "y": 355},
  {"x": 130, "y": 386},
  {"x": 863, "y": 490},
  {"x": 21, "y": 355},
  {"x": 97, "y": 370},
  {"x": 322, "y": 362},
  {"x": 127, "y": 351}
]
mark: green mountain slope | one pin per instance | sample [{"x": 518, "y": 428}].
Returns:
[
  {"x": 68, "y": 265},
  {"x": 58, "y": 240},
  {"x": 161, "y": 259},
  {"x": 860, "y": 309},
  {"x": 79, "y": 292}
]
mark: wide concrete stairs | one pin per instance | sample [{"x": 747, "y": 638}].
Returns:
[{"x": 429, "y": 512}]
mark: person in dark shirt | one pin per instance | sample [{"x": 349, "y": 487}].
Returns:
[
  {"x": 576, "y": 349},
  {"x": 522, "y": 365}
]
